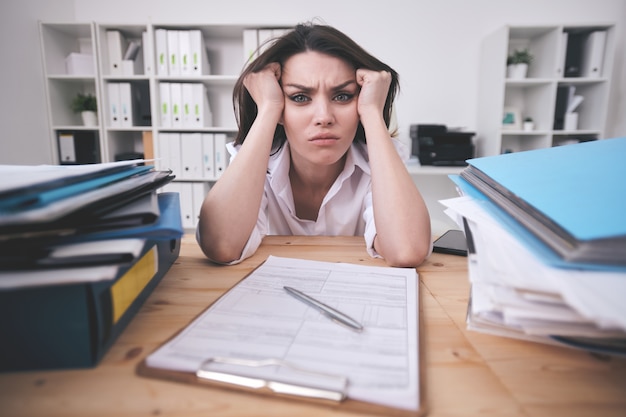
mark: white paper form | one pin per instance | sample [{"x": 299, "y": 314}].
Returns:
[{"x": 257, "y": 319}]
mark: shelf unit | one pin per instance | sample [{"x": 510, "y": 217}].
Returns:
[
  {"x": 146, "y": 136},
  {"x": 536, "y": 95},
  {"x": 59, "y": 41}
]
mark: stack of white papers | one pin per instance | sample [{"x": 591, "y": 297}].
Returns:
[{"x": 514, "y": 293}]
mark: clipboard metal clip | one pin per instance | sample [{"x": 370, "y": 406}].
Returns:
[{"x": 286, "y": 378}]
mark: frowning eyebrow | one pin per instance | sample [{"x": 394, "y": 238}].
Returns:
[{"x": 304, "y": 88}]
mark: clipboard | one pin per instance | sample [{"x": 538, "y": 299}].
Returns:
[{"x": 241, "y": 373}]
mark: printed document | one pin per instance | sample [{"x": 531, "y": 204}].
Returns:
[{"x": 258, "y": 320}]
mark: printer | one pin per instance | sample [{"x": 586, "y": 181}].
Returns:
[{"x": 436, "y": 145}]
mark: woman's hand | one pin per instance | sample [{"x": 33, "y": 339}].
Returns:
[
  {"x": 374, "y": 89},
  {"x": 265, "y": 89}
]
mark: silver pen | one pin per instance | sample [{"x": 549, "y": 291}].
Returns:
[{"x": 334, "y": 315}]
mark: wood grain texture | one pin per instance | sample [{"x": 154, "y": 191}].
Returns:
[{"x": 466, "y": 373}]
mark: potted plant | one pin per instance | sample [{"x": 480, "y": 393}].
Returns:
[
  {"x": 87, "y": 106},
  {"x": 529, "y": 124},
  {"x": 518, "y": 62}
]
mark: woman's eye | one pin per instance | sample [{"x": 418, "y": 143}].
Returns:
[
  {"x": 299, "y": 98},
  {"x": 344, "y": 97}
]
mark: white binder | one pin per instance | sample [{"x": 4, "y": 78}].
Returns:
[
  {"x": 148, "y": 57},
  {"x": 188, "y": 119},
  {"x": 191, "y": 151},
  {"x": 176, "y": 103},
  {"x": 175, "y": 153},
  {"x": 199, "y": 192},
  {"x": 186, "y": 205},
  {"x": 114, "y": 115},
  {"x": 593, "y": 54},
  {"x": 184, "y": 52},
  {"x": 165, "y": 111},
  {"x": 126, "y": 105},
  {"x": 208, "y": 156},
  {"x": 160, "y": 39},
  {"x": 202, "y": 116},
  {"x": 162, "y": 162},
  {"x": 199, "y": 58},
  {"x": 250, "y": 45},
  {"x": 220, "y": 154},
  {"x": 173, "y": 52},
  {"x": 116, "y": 45}
]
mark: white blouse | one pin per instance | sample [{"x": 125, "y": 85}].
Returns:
[{"x": 345, "y": 211}]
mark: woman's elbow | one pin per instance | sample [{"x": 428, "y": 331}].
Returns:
[
  {"x": 219, "y": 252},
  {"x": 408, "y": 257}
]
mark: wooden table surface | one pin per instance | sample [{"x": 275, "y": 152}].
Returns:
[{"x": 467, "y": 373}]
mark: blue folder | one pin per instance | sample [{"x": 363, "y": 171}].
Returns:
[{"x": 574, "y": 193}]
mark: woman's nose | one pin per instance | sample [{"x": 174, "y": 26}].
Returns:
[{"x": 323, "y": 114}]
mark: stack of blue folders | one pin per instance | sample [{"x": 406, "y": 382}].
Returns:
[
  {"x": 546, "y": 232},
  {"x": 80, "y": 247}
]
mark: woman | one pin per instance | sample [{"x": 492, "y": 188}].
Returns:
[{"x": 314, "y": 155}]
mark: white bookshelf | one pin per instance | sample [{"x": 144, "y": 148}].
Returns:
[
  {"x": 224, "y": 46},
  {"x": 536, "y": 95}
]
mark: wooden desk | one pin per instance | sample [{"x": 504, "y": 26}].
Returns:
[{"x": 467, "y": 373}]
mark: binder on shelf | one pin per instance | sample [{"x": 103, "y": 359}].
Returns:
[
  {"x": 116, "y": 45},
  {"x": 299, "y": 368},
  {"x": 148, "y": 145},
  {"x": 67, "y": 153},
  {"x": 186, "y": 205},
  {"x": 593, "y": 54},
  {"x": 202, "y": 116},
  {"x": 175, "y": 156},
  {"x": 114, "y": 110},
  {"x": 126, "y": 105},
  {"x": 199, "y": 191},
  {"x": 191, "y": 151},
  {"x": 573, "y": 57},
  {"x": 208, "y": 156},
  {"x": 188, "y": 119},
  {"x": 560, "y": 71},
  {"x": 173, "y": 52},
  {"x": 265, "y": 37},
  {"x": 176, "y": 104},
  {"x": 250, "y": 45},
  {"x": 160, "y": 40},
  {"x": 199, "y": 59},
  {"x": 184, "y": 52},
  {"x": 165, "y": 108},
  {"x": 220, "y": 154},
  {"x": 78, "y": 147},
  {"x": 148, "y": 54},
  {"x": 143, "y": 112},
  {"x": 163, "y": 152}
]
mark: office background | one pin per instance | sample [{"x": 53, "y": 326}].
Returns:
[{"x": 435, "y": 46}]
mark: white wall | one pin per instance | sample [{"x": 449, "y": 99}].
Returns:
[{"x": 433, "y": 45}]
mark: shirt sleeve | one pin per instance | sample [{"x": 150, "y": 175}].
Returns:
[{"x": 370, "y": 226}]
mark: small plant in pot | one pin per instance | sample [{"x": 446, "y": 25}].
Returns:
[
  {"x": 529, "y": 124},
  {"x": 87, "y": 106},
  {"x": 518, "y": 62}
]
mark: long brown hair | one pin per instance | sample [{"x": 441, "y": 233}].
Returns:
[{"x": 307, "y": 37}]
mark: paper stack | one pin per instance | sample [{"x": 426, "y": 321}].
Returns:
[
  {"x": 546, "y": 234},
  {"x": 81, "y": 247}
]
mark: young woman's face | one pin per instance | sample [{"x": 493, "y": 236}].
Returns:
[{"x": 320, "y": 115}]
